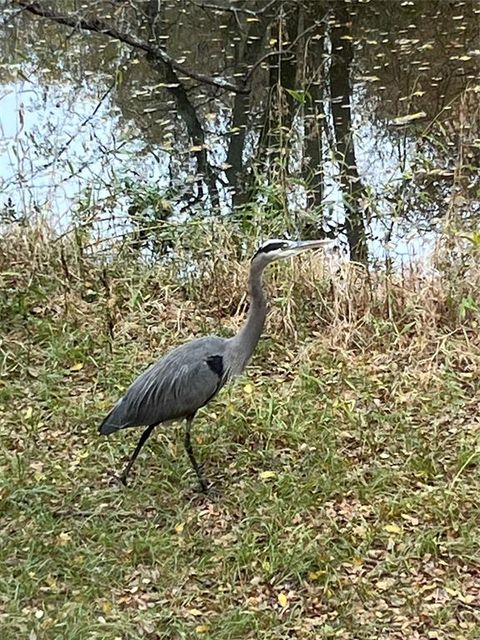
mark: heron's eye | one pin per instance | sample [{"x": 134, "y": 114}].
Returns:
[{"x": 273, "y": 246}]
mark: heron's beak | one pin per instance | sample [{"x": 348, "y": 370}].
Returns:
[{"x": 303, "y": 245}]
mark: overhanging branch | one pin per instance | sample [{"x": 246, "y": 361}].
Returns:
[{"x": 99, "y": 26}]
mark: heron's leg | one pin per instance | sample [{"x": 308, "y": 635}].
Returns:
[
  {"x": 141, "y": 442},
  {"x": 188, "y": 448}
]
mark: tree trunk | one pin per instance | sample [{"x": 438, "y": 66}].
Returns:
[
  {"x": 248, "y": 51},
  {"x": 312, "y": 166},
  {"x": 340, "y": 90},
  {"x": 185, "y": 107}
]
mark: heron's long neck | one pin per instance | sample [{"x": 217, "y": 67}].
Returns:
[{"x": 247, "y": 338}]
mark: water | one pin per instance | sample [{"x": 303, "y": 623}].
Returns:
[{"x": 81, "y": 113}]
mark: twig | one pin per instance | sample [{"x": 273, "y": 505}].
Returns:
[
  {"x": 7, "y": 20},
  {"x": 234, "y": 10},
  {"x": 279, "y": 52},
  {"x": 85, "y": 122}
]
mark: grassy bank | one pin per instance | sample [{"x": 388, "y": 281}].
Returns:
[{"x": 345, "y": 460}]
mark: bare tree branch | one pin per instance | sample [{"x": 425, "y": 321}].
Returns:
[
  {"x": 98, "y": 26},
  {"x": 83, "y": 124},
  {"x": 234, "y": 10}
]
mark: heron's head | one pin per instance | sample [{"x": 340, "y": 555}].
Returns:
[{"x": 272, "y": 250}]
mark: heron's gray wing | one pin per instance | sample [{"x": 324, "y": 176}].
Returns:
[{"x": 175, "y": 387}]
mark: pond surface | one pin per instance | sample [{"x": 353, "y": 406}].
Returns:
[{"x": 93, "y": 128}]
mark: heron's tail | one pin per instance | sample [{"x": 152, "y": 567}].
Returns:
[
  {"x": 106, "y": 428},
  {"x": 113, "y": 421}
]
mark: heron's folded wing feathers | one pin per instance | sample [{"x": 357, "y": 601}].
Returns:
[{"x": 175, "y": 387}]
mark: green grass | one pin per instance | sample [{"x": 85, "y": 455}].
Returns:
[{"x": 347, "y": 484}]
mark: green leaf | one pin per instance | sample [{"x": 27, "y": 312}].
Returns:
[{"x": 300, "y": 96}]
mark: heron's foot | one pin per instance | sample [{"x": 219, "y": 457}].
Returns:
[
  {"x": 213, "y": 492},
  {"x": 203, "y": 492},
  {"x": 202, "y": 481},
  {"x": 122, "y": 479},
  {"x": 112, "y": 478},
  {"x": 208, "y": 488},
  {"x": 204, "y": 486}
]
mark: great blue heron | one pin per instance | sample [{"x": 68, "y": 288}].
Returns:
[{"x": 188, "y": 377}]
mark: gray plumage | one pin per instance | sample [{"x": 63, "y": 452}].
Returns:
[
  {"x": 188, "y": 377},
  {"x": 172, "y": 388}
]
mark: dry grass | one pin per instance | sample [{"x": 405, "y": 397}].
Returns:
[{"x": 346, "y": 469}]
